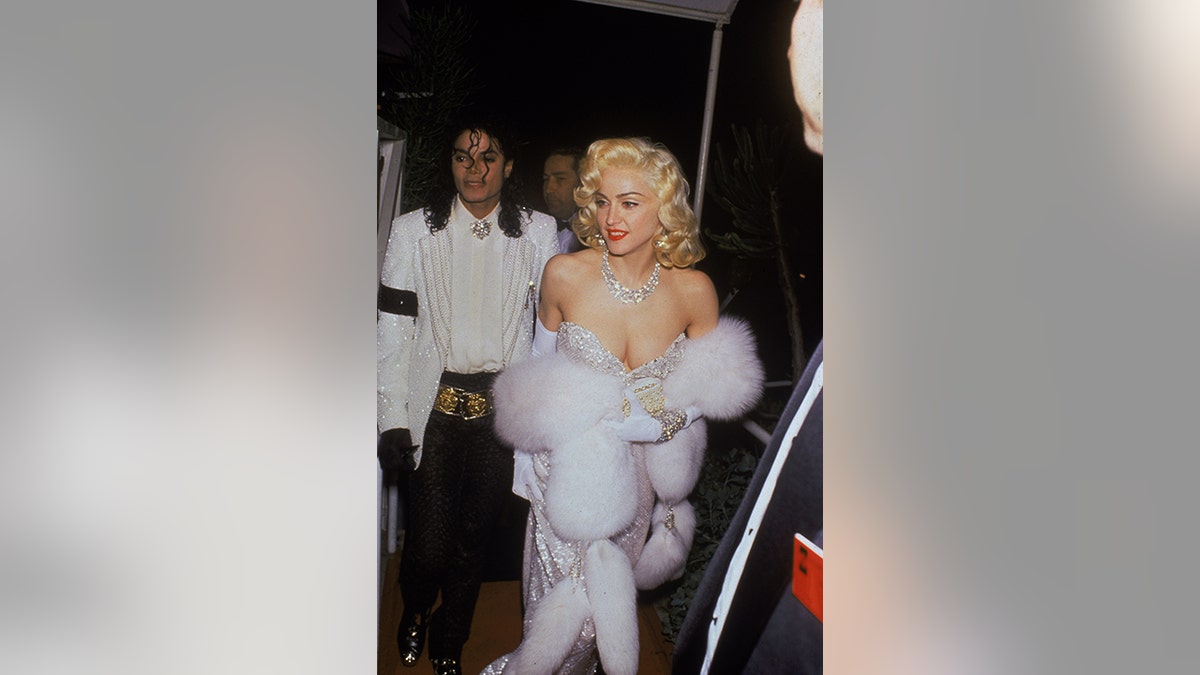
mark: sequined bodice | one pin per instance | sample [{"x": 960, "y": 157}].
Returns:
[{"x": 582, "y": 346}]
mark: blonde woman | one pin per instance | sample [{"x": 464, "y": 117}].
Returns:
[{"x": 629, "y": 357}]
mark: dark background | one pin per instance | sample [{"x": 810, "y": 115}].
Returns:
[{"x": 563, "y": 73}]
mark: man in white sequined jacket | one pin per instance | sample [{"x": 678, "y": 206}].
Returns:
[{"x": 457, "y": 301}]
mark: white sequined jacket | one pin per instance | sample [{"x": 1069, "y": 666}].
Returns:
[{"x": 411, "y": 346}]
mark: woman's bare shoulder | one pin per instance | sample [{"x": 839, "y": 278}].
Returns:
[
  {"x": 693, "y": 282},
  {"x": 565, "y": 263},
  {"x": 566, "y": 270},
  {"x": 698, "y": 298}
]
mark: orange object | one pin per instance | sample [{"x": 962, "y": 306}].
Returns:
[{"x": 808, "y": 575}]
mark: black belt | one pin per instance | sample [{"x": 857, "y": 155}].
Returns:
[{"x": 465, "y": 395}]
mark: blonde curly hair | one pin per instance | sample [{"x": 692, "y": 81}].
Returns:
[{"x": 677, "y": 243}]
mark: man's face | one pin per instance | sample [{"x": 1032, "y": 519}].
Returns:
[
  {"x": 805, "y": 58},
  {"x": 479, "y": 171},
  {"x": 559, "y": 181}
]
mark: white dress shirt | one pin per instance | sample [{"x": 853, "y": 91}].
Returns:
[{"x": 476, "y": 342}]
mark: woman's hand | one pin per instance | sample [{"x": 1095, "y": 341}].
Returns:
[{"x": 639, "y": 425}]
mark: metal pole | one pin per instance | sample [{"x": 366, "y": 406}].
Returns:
[{"x": 710, "y": 96}]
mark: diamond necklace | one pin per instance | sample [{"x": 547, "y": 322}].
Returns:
[{"x": 625, "y": 295}]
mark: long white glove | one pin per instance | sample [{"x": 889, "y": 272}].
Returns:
[
  {"x": 524, "y": 480},
  {"x": 545, "y": 341}
]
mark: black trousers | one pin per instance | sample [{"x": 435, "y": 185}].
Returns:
[{"x": 455, "y": 497}]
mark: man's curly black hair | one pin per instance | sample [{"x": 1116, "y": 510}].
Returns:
[{"x": 437, "y": 213}]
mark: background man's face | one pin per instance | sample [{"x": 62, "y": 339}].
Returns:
[{"x": 559, "y": 181}]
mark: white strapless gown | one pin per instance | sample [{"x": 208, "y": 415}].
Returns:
[{"x": 550, "y": 560}]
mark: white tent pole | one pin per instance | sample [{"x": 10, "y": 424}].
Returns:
[{"x": 710, "y": 96}]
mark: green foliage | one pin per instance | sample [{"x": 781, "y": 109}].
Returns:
[
  {"x": 745, "y": 184},
  {"x": 723, "y": 481},
  {"x": 424, "y": 95}
]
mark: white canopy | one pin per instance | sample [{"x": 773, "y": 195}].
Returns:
[{"x": 715, "y": 11}]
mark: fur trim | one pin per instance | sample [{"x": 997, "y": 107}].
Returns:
[
  {"x": 665, "y": 553},
  {"x": 720, "y": 372},
  {"x": 674, "y": 466},
  {"x": 553, "y": 627},
  {"x": 592, "y": 489},
  {"x": 544, "y": 401},
  {"x": 614, "y": 606}
]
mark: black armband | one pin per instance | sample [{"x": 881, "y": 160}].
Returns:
[{"x": 396, "y": 301}]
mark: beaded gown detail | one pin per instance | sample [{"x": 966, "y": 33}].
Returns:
[{"x": 549, "y": 559}]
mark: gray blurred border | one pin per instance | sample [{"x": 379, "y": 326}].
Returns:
[
  {"x": 189, "y": 281},
  {"x": 1009, "y": 343},
  {"x": 188, "y": 213}
]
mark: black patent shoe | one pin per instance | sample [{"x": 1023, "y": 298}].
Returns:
[
  {"x": 411, "y": 639},
  {"x": 446, "y": 667}
]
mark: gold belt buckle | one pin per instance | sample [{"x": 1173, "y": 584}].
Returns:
[
  {"x": 475, "y": 405},
  {"x": 447, "y": 400},
  {"x": 468, "y": 405}
]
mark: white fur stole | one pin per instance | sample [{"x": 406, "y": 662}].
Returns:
[
  {"x": 549, "y": 403},
  {"x": 544, "y": 401},
  {"x": 721, "y": 375}
]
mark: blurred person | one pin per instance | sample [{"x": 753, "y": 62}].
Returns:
[
  {"x": 1153, "y": 54},
  {"x": 456, "y": 307},
  {"x": 744, "y": 617},
  {"x": 630, "y": 355},
  {"x": 560, "y": 177}
]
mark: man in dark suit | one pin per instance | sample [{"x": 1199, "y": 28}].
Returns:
[
  {"x": 744, "y": 617},
  {"x": 560, "y": 177}
]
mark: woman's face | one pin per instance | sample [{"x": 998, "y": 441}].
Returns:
[{"x": 626, "y": 210}]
